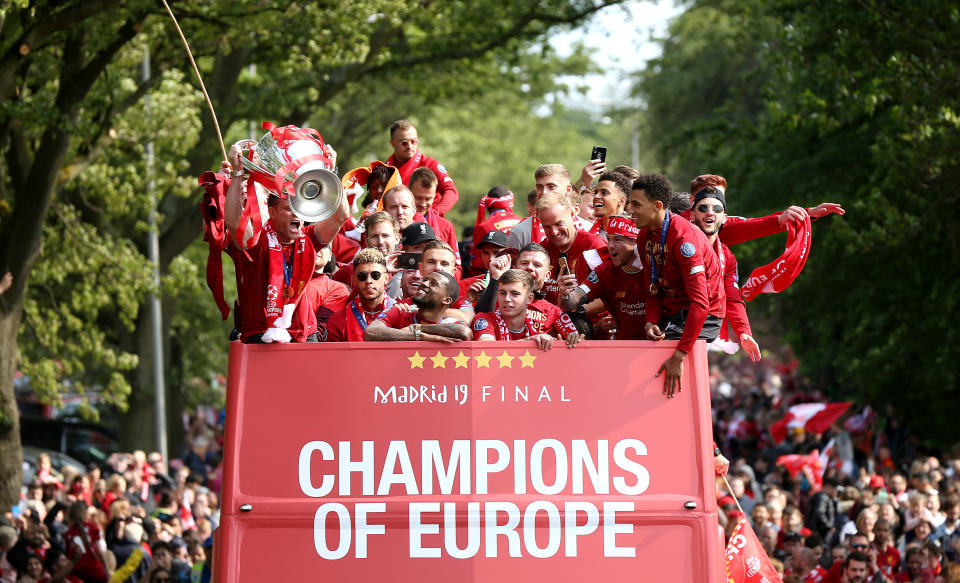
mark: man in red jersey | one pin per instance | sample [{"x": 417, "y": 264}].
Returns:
[
  {"x": 275, "y": 263},
  {"x": 423, "y": 185},
  {"x": 407, "y": 157},
  {"x": 498, "y": 202},
  {"x": 369, "y": 280},
  {"x": 325, "y": 296},
  {"x": 438, "y": 256},
  {"x": 608, "y": 200},
  {"x": 571, "y": 252},
  {"x": 381, "y": 232},
  {"x": 709, "y": 215},
  {"x": 740, "y": 229},
  {"x": 684, "y": 292},
  {"x": 618, "y": 281},
  {"x": 533, "y": 259},
  {"x": 433, "y": 299},
  {"x": 514, "y": 319},
  {"x": 491, "y": 247}
]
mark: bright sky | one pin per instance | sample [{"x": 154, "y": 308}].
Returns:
[{"x": 619, "y": 38}]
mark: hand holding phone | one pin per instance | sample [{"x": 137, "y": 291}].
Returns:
[{"x": 409, "y": 260}]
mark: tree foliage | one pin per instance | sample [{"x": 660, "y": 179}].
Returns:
[{"x": 860, "y": 105}]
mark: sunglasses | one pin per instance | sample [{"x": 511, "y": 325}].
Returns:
[
  {"x": 162, "y": 580},
  {"x": 860, "y": 547},
  {"x": 717, "y": 208},
  {"x": 374, "y": 275}
]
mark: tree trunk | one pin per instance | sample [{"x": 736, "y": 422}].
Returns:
[
  {"x": 137, "y": 429},
  {"x": 11, "y": 452}
]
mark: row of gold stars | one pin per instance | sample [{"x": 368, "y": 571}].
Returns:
[{"x": 461, "y": 360}]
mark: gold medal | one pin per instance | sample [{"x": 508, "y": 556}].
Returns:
[
  {"x": 288, "y": 292},
  {"x": 653, "y": 289}
]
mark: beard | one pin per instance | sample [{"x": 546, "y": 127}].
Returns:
[{"x": 424, "y": 303}]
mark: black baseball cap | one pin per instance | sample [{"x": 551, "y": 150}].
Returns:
[
  {"x": 417, "y": 233},
  {"x": 497, "y": 238}
]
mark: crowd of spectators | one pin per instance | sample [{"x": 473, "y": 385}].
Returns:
[
  {"x": 135, "y": 518},
  {"x": 887, "y": 506}
]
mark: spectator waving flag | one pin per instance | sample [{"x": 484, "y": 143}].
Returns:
[
  {"x": 810, "y": 465},
  {"x": 811, "y": 417},
  {"x": 746, "y": 561}
]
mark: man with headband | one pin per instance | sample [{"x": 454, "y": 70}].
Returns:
[
  {"x": 684, "y": 292},
  {"x": 709, "y": 213},
  {"x": 618, "y": 281}
]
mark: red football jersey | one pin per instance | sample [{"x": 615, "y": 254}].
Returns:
[
  {"x": 447, "y": 194},
  {"x": 688, "y": 277},
  {"x": 622, "y": 294},
  {"x": 252, "y": 288}
]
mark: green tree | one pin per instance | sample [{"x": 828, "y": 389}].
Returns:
[{"x": 860, "y": 105}]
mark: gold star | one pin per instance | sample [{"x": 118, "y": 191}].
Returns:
[
  {"x": 462, "y": 360},
  {"x": 439, "y": 361},
  {"x": 527, "y": 359},
  {"x": 416, "y": 361},
  {"x": 505, "y": 360},
  {"x": 483, "y": 361}
]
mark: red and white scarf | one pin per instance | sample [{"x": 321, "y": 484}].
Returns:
[
  {"x": 503, "y": 331},
  {"x": 777, "y": 275},
  {"x": 281, "y": 293}
]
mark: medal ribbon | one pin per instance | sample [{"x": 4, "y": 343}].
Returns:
[
  {"x": 653, "y": 260},
  {"x": 358, "y": 312}
]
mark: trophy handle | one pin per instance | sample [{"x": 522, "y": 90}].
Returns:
[{"x": 245, "y": 161}]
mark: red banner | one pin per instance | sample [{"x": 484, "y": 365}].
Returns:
[{"x": 478, "y": 461}]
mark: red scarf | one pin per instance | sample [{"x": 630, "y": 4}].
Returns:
[
  {"x": 503, "y": 331},
  {"x": 536, "y": 231},
  {"x": 779, "y": 274},
  {"x": 285, "y": 283},
  {"x": 597, "y": 227},
  {"x": 214, "y": 233}
]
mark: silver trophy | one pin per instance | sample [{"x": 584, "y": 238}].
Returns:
[{"x": 316, "y": 191}]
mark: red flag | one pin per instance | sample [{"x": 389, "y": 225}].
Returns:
[
  {"x": 746, "y": 560},
  {"x": 777, "y": 275},
  {"x": 810, "y": 465},
  {"x": 812, "y": 417}
]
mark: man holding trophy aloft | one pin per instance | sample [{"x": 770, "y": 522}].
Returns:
[{"x": 290, "y": 171}]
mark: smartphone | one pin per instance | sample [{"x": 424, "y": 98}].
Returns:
[
  {"x": 562, "y": 268},
  {"x": 599, "y": 153},
  {"x": 409, "y": 260}
]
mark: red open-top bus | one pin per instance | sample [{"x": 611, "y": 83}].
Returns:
[{"x": 469, "y": 462}]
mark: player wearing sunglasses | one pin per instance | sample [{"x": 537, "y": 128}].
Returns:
[
  {"x": 407, "y": 157},
  {"x": 709, "y": 215},
  {"x": 369, "y": 281}
]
